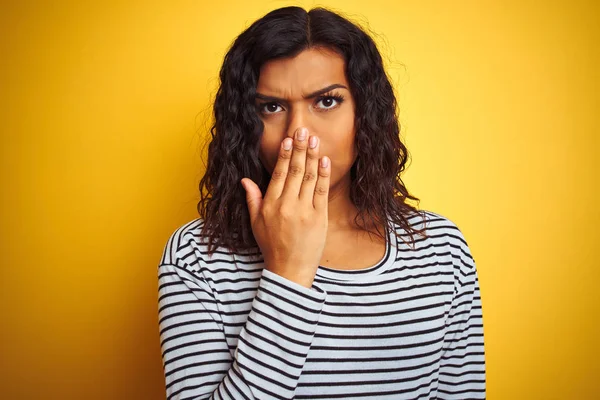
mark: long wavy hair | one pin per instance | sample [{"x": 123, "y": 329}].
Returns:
[{"x": 376, "y": 189}]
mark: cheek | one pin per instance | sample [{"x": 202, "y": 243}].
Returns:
[
  {"x": 338, "y": 141},
  {"x": 269, "y": 149},
  {"x": 340, "y": 148}
]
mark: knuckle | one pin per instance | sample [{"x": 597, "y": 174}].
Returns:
[
  {"x": 312, "y": 155},
  {"x": 299, "y": 146},
  {"x": 304, "y": 219},
  {"x": 285, "y": 212},
  {"x": 320, "y": 189},
  {"x": 324, "y": 173},
  {"x": 285, "y": 155},
  {"x": 309, "y": 176},
  {"x": 295, "y": 170},
  {"x": 265, "y": 212},
  {"x": 278, "y": 175}
]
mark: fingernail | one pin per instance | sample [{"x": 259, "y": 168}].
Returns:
[
  {"x": 287, "y": 144},
  {"x": 302, "y": 134},
  {"x": 312, "y": 142},
  {"x": 324, "y": 162}
]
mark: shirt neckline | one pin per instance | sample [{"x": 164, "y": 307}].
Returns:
[{"x": 388, "y": 259}]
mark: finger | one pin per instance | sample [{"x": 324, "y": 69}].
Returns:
[
  {"x": 253, "y": 197},
  {"x": 321, "y": 195},
  {"x": 295, "y": 173},
  {"x": 280, "y": 171},
  {"x": 311, "y": 170}
]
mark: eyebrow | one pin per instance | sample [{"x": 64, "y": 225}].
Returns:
[{"x": 308, "y": 96}]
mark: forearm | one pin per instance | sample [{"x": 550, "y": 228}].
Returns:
[{"x": 271, "y": 350}]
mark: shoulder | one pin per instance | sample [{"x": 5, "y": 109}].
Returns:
[
  {"x": 187, "y": 247},
  {"x": 437, "y": 226},
  {"x": 442, "y": 232},
  {"x": 446, "y": 242},
  {"x": 181, "y": 240}
]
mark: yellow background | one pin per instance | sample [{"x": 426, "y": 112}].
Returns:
[{"x": 104, "y": 108}]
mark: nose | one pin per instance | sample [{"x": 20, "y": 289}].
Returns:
[{"x": 298, "y": 118}]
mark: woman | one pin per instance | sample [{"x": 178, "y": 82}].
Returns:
[{"x": 308, "y": 275}]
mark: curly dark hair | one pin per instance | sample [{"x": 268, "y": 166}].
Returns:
[{"x": 376, "y": 190}]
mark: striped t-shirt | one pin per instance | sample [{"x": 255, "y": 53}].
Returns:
[{"x": 409, "y": 327}]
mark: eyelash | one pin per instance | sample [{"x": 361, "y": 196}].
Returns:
[{"x": 337, "y": 97}]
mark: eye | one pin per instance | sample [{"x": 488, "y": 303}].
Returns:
[
  {"x": 329, "y": 102},
  {"x": 269, "y": 108}
]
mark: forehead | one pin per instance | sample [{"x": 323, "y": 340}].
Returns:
[{"x": 310, "y": 70}]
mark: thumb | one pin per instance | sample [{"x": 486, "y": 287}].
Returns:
[{"x": 253, "y": 197}]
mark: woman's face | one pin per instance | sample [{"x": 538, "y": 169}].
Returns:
[{"x": 309, "y": 90}]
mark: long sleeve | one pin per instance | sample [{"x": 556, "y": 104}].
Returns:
[
  {"x": 462, "y": 372},
  {"x": 272, "y": 345}
]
